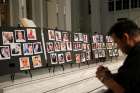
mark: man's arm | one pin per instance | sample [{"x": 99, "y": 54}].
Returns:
[{"x": 104, "y": 75}]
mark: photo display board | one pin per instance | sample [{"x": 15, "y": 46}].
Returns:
[
  {"x": 81, "y": 48},
  {"x": 98, "y": 46},
  {"x": 58, "y": 46},
  {"x": 111, "y": 47},
  {"x": 21, "y": 48}
]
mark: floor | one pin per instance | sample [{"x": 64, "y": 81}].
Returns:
[{"x": 72, "y": 80}]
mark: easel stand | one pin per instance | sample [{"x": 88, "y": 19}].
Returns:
[{"x": 62, "y": 66}]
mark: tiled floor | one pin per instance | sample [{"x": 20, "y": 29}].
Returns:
[{"x": 72, "y": 80}]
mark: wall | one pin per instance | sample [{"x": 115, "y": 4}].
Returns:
[
  {"x": 109, "y": 18},
  {"x": 95, "y": 16}
]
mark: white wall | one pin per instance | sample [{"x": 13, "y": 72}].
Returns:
[
  {"x": 109, "y": 18},
  {"x": 95, "y": 16}
]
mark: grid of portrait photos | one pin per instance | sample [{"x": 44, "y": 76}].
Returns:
[
  {"x": 98, "y": 46},
  {"x": 81, "y": 48},
  {"x": 59, "y": 47},
  {"x": 22, "y": 44},
  {"x": 111, "y": 47}
]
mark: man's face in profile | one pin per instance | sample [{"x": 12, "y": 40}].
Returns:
[{"x": 122, "y": 44}]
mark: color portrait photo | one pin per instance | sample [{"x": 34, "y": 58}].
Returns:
[
  {"x": 78, "y": 58},
  {"x": 24, "y": 63},
  {"x": 8, "y": 37},
  {"x": 20, "y": 36},
  {"x": 16, "y": 49},
  {"x": 28, "y": 49},
  {"x": 68, "y": 56},
  {"x": 53, "y": 57},
  {"x": 58, "y": 36},
  {"x": 37, "y": 47},
  {"x": 36, "y": 61},
  {"x": 61, "y": 59},
  {"x": 31, "y": 34},
  {"x": 50, "y": 47},
  {"x": 4, "y": 52},
  {"x": 51, "y": 35}
]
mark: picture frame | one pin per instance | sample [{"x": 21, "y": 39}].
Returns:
[
  {"x": 61, "y": 59},
  {"x": 4, "y": 52},
  {"x": 53, "y": 57},
  {"x": 68, "y": 56},
  {"x": 36, "y": 60},
  {"x": 50, "y": 47},
  {"x": 28, "y": 49},
  {"x": 16, "y": 49},
  {"x": 7, "y": 37},
  {"x": 58, "y": 36},
  {"x": 20, "y": 35},
  {"x": 31, "y": 34},
  {"x": 51, "y": 35},
  {"x": 37, "y": 47},
  {"x": 24, "y": 63}
]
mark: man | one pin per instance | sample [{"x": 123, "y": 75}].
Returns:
[{"x": 127, "y": 36}]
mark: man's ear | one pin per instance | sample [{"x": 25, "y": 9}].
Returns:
[{"x": 126, "y": 37}]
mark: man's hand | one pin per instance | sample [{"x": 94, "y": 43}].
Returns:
[{"x": 102, "y": 73}]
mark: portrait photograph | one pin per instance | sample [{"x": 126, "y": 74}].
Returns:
[
  {"x": 63, "y": 46},
  {"x": 37, "y": 47},
  {"x": 78, "y": 58},
  {"x": 68, "y": 56},
  {"x": 109, "y": 39},
  {"x": 28, "y": 49},
  {"x": 76, "y": 37},
  {"x": 79, "y": 46},
  {"x": 110, "y": 52},
  {"x": 96, "y": 55},
  {"x": 4, "y": 52},
  {"x": 31, "y": 34},
  {"x": 61, "y": 58},
  {"x": 58, "y": 36},
  {"x": 16, "y": 49},
  {"x": 84, "y": 46},
  {"x": 101, "y": 53},
  {"x": 109, "y": 45},
  {"x": 50, "y": 47},
  {"x": 69, "y": 46},
  {"x": 51, "y": 34},
  {"x": 80, "y": 36},
  {"x": 83, "y": 57},
  {"x": 101, "y": 38},
  {"x": 53, "y": 57},
  {"x": 85, "y": 38},
  {"x": 57, "y": 46},
  {"x": 88, "y": 56},
  {"x": 24, "y": 63},
  {"x": 7, "y": 37},
  {"x": 95, "y": 38},
  {"x": 75, "y": 46},
  {"x": 65, "y": 36},
  {"x": 93, "y": 46},
  {"x": 36, "y": 61},
  {"x": 20, "y": 35},
  {"x": 115, "y": 52}
]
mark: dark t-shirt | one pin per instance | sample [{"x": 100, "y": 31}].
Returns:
[{"x": 128, "y": 75}]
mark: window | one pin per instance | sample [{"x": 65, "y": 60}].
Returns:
[
  {"x": 125, "y": 4},
  {"x": 118, "y": 4},
  {"x": 111, "y": 5},
  {"x": 134, "y": 3}
]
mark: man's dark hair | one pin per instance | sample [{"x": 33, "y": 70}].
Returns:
[{"x": 124, "y": 26}]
